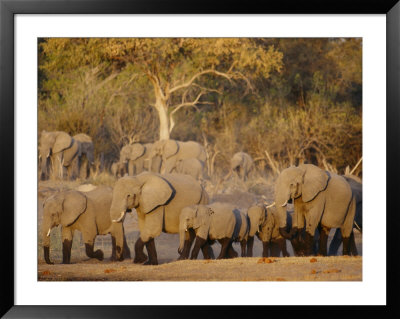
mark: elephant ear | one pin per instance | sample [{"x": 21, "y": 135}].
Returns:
[
  {"x": 74, "y": 205},
  {"x": 137, "y": 151},
  {"x": 171, "y": 147},
  {"x": 156, "y": 191},
  {"x": 63, "y": 141},
  {"x": 202, "y": 216},
  {"x": 315, "y": 181}
]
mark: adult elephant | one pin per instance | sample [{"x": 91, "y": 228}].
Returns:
[
  {"x": 85, "y": 156},
  {"x": 242, "y": 164},
  {"x": 356, "y": 188},
  {"x": 57, "y": 153},
  {"x": 136, "y": 158},
  {"x": 172, "y": 151},
  {"x": 192, "y": 167},
  {"x": 320, "y": 198},
  {"x": 223, "y": 222},
  {"x": 158, "y": 200},
  {"x": 88, "y": 212}
]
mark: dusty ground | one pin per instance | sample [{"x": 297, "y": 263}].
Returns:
[
  {"x": 336, "y": 268},
  {"x": 238, "y": 269}
]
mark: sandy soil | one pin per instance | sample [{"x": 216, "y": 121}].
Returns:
[{"x": 238, "y": 269}]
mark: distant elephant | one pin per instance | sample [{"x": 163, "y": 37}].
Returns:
[
  {"x": 87, "y": 212},
  {"x": 264, "y": 224},
  {"x": 85, "y": 156},
  {"x": 320, "y": 198},
  {"x": 356, "y": 187},
  {"x": 136, "y": 157},
  {"x": 158, "y": 200},
  {"x": 191, "y": 166},
  {"x": 118, "y": 169},
  {"x": 57, "y": 152},
  {"x": 242, "y": 164},
  {"x": 218, "y": 221},
  {"x": 171, "y": 151}
]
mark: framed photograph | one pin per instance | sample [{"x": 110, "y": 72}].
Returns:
[{"x": 115, "y": 116}]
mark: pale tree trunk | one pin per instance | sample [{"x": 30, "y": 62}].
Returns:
[{"x": 162, "y": 110}]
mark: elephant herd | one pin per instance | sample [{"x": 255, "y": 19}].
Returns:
[
  {"x": 62, "y": 155},
  {"x": 177, "y": 203}
]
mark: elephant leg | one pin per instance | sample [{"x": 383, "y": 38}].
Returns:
[
  {"x": 265, "y": 248},
  {"x": 199, "y": 243},
  {"x": 126, "y": 252},
  {"x": 89, "y": 246},
  {"x": 250, "y": 243},
  {"x": 335, "y": 243},
  {"x": 323, "y": 240},
  {"x": 353, "y": 247},
  {"x": 282, "y": 247},
  {"x": 231, "y": 253},
  {"x": 66, "y": 234},
  {"x": 131, "y": 168},
  {"x": 140, "y": 256},
  {"x": 346, "y": 246},
  {"x": 207, "y": 251},
  {"x": 187, "y": 245},
  {"x": 224, "y": 247},
  {"x": 243, "y": 245},
  {"x": 151, "y": 250},
  {"x": 308, "y": 244},
  {"x": 46, "y": 252}
]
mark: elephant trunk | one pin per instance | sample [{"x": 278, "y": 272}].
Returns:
[
  {"x": 117, "y": 210},
  {"x": 182, "y": 234},
  {"x": 46, "y": 242}
]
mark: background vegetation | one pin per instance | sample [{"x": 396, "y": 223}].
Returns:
[{"x": 284, "y": 101}]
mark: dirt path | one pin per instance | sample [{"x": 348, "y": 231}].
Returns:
[{"x": 239, "y": 269}]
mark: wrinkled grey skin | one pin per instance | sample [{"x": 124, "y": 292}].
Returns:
[
  {"x": 172, "y": 151},
  {"x": 264, "y": 224},
  {"x": 217, "y": 221},
  {"x": 88, "y": 212},
  {"x": 158, "y": 200},
  {"x": 320, "y": 198},
  {"x": 85, "y": 157},
  {"x": 191, "y": 166},
  {"x": 57, "y": 155},
  {"x": 356, "y": 187},
  {"x": 136, "y": 158},
  {"x": 242, "y": 164}
]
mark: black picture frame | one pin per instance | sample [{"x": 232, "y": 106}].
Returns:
[{"x": 8, "y": 8}]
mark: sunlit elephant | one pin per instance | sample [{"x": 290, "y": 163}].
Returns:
[
  {"x": 191, "y": 166},
  {"x": 356, "y": 187},
  {"x": 57, "y": 152},
  {"x": 118, "y": 169},
  {"x": 242, "y": 164},
  {"x": 319, "y": 197},
  {"x": 85, "y": 156},
  {"x": 172, "y": 151},
  {"x": 217, "y": 221},
  {"x": 264, "y": 223},
  {"x": 88, "y": 212},
  {"x": 136, "y": 157},
  {"x": 158, "y": 200}
]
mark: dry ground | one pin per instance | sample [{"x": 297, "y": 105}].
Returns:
[{"x": 238, "y": 269}]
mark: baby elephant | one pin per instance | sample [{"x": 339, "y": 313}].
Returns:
[
  {"x": 264, "y": 223},
  {"x": 218, "y": 221},
  {"x": 87, "y": 212}
]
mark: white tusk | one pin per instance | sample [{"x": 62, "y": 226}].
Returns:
[
  {"x": 120, "y": 217},
  {"x": 273, "y": 204},
  {"x": 284, "y": 204},
  {"x": 186, "y": 229},
  {"x": 48, "y": 233}
]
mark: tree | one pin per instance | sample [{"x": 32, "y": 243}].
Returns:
[{"x": 179, "y": 70}]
